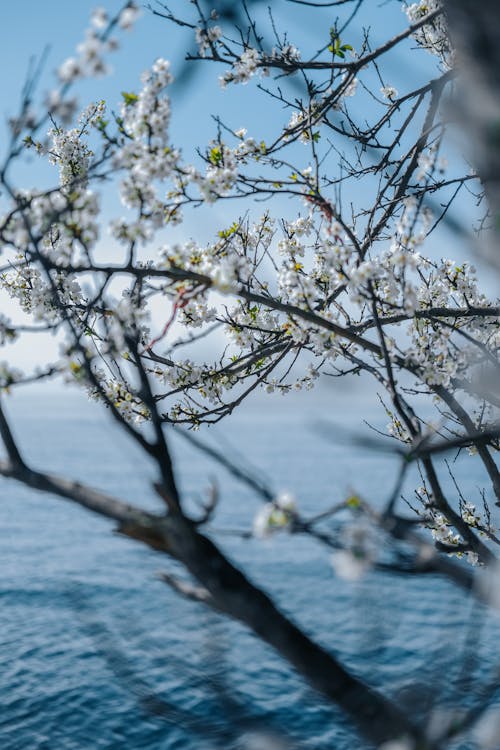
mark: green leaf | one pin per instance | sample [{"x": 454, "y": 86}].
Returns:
[
  {"x": 353, "y": 501},
  {"x": 101, "y": 123},
  {"x": 225, "y": 233},
  {"x": 129, "y": 98},
  {"x": 215, "y": 155}
]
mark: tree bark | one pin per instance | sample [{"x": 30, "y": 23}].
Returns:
[{"x": 475, "y": 35}]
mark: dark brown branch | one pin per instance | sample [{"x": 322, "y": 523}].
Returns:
[{"x": 15, "y": 458}]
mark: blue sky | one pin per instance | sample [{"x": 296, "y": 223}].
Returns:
[{"x": 29, "y": 26}]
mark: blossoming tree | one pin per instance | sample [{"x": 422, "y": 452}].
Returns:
[{"x": 341, "y": 281}]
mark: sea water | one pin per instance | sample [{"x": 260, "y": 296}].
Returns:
[{"x": 97, "y": 652}]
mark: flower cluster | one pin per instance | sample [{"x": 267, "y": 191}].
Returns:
[
  {"x": 145, "y": 155},
  {"x": 244, "y": 68},
  {"x": 251, "y": 60},
  {"x": 70, "y": 152},
  {"x": 206, "y": 38},
  {"x": 357, "y": 557},
  {"x": 432, "y": 36},
  {"x": 90, "y": 60},
  {"x": 114, "y": 393},
  {"x": 275, "y": 516},
  {"x": 389, "y": 92}
]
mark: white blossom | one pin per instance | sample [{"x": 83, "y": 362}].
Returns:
[
  {"x": 129, "y": 16},
  {"x": 389, "y": 92}
]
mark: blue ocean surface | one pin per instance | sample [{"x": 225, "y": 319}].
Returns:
[{"x": 97, "y": 652}]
